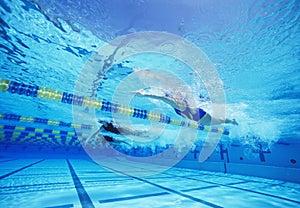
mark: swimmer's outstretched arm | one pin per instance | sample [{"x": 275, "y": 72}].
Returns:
[
  {"x": 126, "y": 130},
  {"x": 162, "y": 96},
  {"x": 209, "y": 120}
]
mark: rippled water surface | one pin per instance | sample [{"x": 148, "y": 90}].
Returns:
[{"x": 252, "y": 44}]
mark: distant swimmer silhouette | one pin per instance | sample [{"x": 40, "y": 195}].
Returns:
[
  {"x": 114, "y": 128},
  {"x": 183, "y": 104}
]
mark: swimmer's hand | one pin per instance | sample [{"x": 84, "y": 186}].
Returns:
[
  {"x": 233, "y": 121},
  {"x": 140, "y": 92}
]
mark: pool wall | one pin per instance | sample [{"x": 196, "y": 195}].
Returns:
[{"x": 279, "y": 162}]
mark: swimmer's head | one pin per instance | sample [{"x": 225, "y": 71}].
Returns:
[
  {"x": 136, "y": 69},
  {"x": 133, "y": 70},
  {"x": 104, "y": 122}
]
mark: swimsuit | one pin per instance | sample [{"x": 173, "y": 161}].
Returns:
[
  {"x": 108, "y": 139},
  {"x": 111, "y": 128},
  {"x": 191, "y": 113},
  {"x": 194, "y": 114}
]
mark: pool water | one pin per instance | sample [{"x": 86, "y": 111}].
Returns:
[{"x": 65, "y": 65}]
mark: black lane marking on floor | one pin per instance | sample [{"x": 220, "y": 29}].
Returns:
[
  {"x": 84, "y": 198},
  {"x": 132, "y": 197},
  {"x": 236, "y": 183},
  {"x": 227, "y": 175},
  {"x": 178, "y": 169},
  {"x": 20, "y": 169},
  {"x": 107, "y": 177},
  {"x": 167, "y": 189},
  {"x": 62, "y": 206},
  {"x": 199, "y": 188},
  {"x": 229, "y": 186},
  {"x": 265, "y": 194},
  {"x": 151, "y": 195}
]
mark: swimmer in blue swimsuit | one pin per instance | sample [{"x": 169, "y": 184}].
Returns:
[{"x": 182, "y": 107}]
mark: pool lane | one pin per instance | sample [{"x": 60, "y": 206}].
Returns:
[
  {"x": 170, "y": 190},
  {"x": 272, "y": 188},
  {"x": 44, "y": 184},
  {"x": 69, "y": 183},
  {"x": 229, "y": 185},
  {"x": 128, "y": 191}
]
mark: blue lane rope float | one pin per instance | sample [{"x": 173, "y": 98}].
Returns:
[
  {"x": 99, "y": 104},
  {"x": 27, "y": 119}
]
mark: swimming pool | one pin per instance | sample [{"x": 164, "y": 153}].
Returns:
[{"x": 66, "y": 65}]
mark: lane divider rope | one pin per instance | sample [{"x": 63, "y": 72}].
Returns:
[
  {"x": 9, "y": 133},
  {"x": 34, "y": 138},
  {"x": 99, "y": 104},
  {"x": 41, "y": 131},
  {"x": 27, "y": 119}
]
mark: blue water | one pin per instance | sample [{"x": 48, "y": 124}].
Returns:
[{"x": 254, "y": 49}]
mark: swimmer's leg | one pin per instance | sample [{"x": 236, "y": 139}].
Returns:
[
  {"x": 92, "y": 135},
  {"x": 110, "y": 139},
  {"x": 129, "y": 131},
  {"x": 209, "y": 120}
]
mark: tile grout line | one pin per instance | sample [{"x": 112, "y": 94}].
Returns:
[{"x": 132, "y": 197}]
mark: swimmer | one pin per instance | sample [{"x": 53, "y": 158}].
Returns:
[
  {"x": 179, "y": 98},
  {"x": 115, "y": 129},
  {"x": 182, "y": 106},
  {"x": 172, "y": 92}
]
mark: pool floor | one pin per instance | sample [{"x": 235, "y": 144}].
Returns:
[{"x": 68, "y": 183}]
